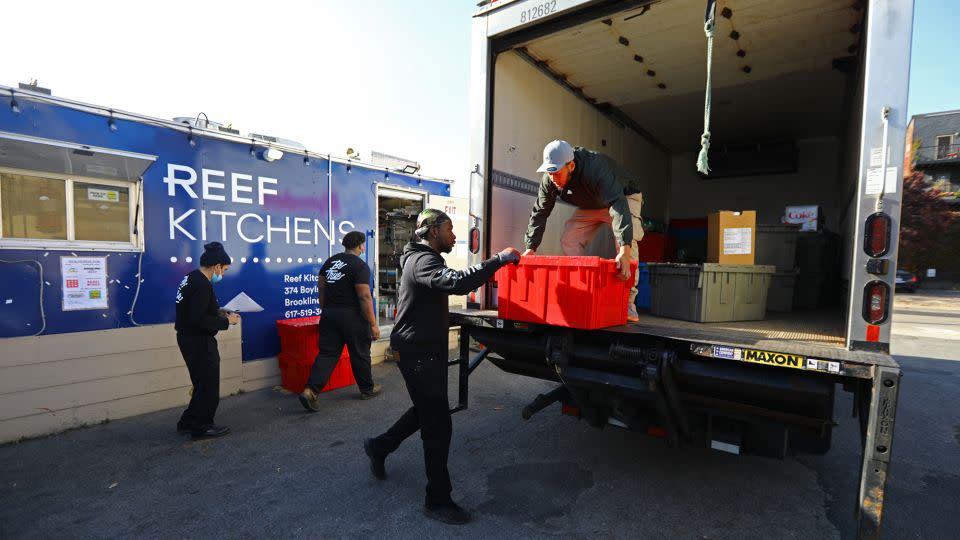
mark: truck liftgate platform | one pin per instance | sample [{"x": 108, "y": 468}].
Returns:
[{"x": 727, "y": 388}]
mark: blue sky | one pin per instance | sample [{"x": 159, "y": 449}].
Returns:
[
  {"x": 384, "y": 75},
  {"x": 934, "y": 74}
]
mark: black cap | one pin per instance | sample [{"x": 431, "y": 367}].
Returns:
[
  {"x": 353, "y": 239},
  {"x": 214, "y": 254}
]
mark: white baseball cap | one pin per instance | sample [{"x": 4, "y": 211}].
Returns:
[{"x": 556, "y": 154}]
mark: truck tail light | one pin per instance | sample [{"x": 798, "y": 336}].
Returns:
[
  {"x": 474, "y": 240},
  {"x": 656, "y": 431},
  {"x": 876, "y": 241},
  {"x": 876, "y": 302}
]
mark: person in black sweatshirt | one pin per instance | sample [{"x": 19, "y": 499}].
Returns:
[
  {"x": 199, "y": 318},
  {"x": 420, "y": 341}
]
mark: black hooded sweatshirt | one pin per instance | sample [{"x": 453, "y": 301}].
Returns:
[{"x": 423, "y": 314}]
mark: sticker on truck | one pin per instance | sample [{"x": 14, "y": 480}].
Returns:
[
  {"x": 793, "y": 361},
  {"x": 730, "y": 353},
  {"x": 774, "y": 359},
  {"x": 823, "y": 365}
]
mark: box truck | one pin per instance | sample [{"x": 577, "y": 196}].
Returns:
[{"x": 805, "y": 106}]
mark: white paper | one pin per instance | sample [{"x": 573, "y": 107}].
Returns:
[
  {"x": 888, "y": 185},
  {"x": 876, "y": 155},
  {"x": 874, "y": 183},
  {"x": 104, "y": 195},
  {"x": 737, "y": 241},
  {"x": 893, "y": 181},
  {"x": 84, "y": 283},
  {"x": 242, "y": 303}
]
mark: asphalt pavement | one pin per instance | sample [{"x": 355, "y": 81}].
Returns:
[{"x": 287, "y": 473}]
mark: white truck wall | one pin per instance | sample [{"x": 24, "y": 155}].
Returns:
[
  {"x": 530, "y": 110},
  {"x": 849, "y": 175},
  {"x": 457, "y": 208},
  {"x": 815, "y": 182}
]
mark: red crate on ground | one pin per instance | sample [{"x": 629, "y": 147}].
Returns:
[
  {"x": 299, "y": 345},
  {"x": 294, "y": 374},
  {"x": 298, "y": 337},
  {"x": 652, "y": 247},
  {"x": 576, "y": 292}
]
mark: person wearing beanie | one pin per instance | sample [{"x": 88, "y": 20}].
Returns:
[
  {"x": 199, "y": 318},
  {"x": 347, "y": 319},
  {"x": 420, "y": 344}
]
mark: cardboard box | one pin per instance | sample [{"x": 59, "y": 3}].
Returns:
[{"x": 732, "y": 237}]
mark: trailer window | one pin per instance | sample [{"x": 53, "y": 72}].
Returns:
[
  {"x": 33, "y": 207},
  {"x": 51, "y": 210},
  {"x": 101, "y": 212}
]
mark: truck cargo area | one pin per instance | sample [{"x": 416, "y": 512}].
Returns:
[{"x": 630, "y": 83}]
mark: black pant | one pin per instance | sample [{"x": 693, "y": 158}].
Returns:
[
  {"x": 426, "y": 378},
  {"x": 203, "y": 362},
  {"x": 339, "y": 327}
]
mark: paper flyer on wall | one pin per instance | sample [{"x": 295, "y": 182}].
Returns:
[{"x": 84, "y": 283}]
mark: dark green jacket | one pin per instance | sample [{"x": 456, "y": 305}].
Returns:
[{"x": 597, "y": 182}]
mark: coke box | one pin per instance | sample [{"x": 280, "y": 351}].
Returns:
[{"x": 575, "y": 292}]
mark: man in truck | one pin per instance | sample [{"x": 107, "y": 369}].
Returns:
[{"x": 605, "y": 195}]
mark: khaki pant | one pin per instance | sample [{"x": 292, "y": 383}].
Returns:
[{"x": 584, "y": 225}]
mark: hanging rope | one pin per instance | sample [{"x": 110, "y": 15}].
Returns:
[{"x": 708, "y": 23}]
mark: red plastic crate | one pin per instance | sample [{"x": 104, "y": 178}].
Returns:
[
  {"x": 652, "y": 247},
  {"x": 298, "y": 337},
  {"x": 299, "y": 345},
  {"x": 295, "y": 374},
  {"x": 576, "y": 292}
]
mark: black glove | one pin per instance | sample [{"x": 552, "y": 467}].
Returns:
[{"x": 506, "y": 258}]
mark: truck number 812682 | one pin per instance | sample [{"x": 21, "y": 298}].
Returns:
[{"x": 538, "y": 11}]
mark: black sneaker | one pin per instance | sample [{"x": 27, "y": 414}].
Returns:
[
  {"x": 377, "y": 465},
  {"x": 309, "y": 399},
  {"x": 211, "y": 432},
  {"x": 183, "y": 430},
  {"x": 372, "y": 393},
  {"x": 449, "y": 513}
]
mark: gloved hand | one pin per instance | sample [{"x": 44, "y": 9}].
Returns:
[{"x": 509, "y": 255}]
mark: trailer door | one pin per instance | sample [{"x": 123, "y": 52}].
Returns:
[{"x": 876, "y": 206}]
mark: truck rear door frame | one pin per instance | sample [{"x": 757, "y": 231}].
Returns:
[{"x": 886, "y": 55}]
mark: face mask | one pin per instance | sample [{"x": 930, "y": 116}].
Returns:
[{"x": 216, "y": 278}]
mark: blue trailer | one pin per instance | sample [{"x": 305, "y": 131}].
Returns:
[{"x": 103, "y": 212}]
